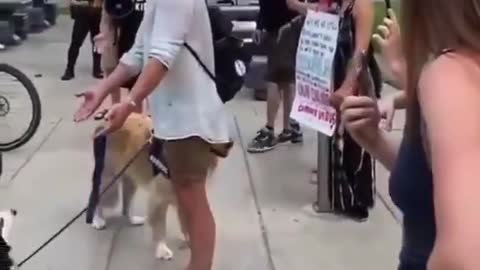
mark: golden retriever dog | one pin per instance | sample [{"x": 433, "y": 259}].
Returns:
[{"x": 121, "y": 146}]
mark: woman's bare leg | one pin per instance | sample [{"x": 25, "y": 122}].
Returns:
[{"x": 193, "y": 202}]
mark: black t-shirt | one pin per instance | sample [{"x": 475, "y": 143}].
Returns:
[
  {"x": 128, "y": 27},
  {"x": 274, "y": 14}
]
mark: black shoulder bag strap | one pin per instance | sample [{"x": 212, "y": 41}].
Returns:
[{"x": 200, "y": 62}]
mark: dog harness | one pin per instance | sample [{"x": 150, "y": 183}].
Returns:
[{"x": 156, "y": 157}]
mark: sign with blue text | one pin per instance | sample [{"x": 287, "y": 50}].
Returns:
[{"x": 314, "y": 72}]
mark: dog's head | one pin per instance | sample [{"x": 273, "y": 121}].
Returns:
[{"x": 137, "y": 125}]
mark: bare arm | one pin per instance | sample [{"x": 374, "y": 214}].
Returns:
[
  {"x": 384, "y": 149},
  {"x": 361, "y": 118},
  {"x": 400, "y": 100},
  {"x": 121, "y": 75},
  {"x": 451, "y": 106},
  {"x": 300, "y": 7},
  {"x": 167, "y": 41},
  {"x": 128, "y": 67},
  {"x": 363, "y": 12}
]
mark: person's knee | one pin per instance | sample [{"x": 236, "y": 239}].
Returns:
[{"x": 189, "y": 188}]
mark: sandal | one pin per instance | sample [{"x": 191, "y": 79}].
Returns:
[{"x": 100, "y": 115}]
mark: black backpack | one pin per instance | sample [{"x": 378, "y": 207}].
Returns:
[
  {"x": 232, "y": 59},
  {"x": 119, "y": 9}
]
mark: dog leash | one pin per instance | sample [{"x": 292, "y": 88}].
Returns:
[{"x": 76, "y": 217}]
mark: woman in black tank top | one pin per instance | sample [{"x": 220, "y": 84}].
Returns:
[{"x": 435, "y": 167}]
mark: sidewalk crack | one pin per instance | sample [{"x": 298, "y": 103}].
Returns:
[{"x": 261, "y": 221}]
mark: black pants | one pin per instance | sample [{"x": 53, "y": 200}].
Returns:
[
  {"x": 127, "y": 30},
  {"x": 352, "y": 179},
  {"x": 86, "y": 20},
  {"x": 406, "y": 266}
]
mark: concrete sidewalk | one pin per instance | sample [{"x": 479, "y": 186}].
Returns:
[{"x": 258, "y": 200}]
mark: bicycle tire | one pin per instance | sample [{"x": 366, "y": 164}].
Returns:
[{"x": 36, "y": 108}]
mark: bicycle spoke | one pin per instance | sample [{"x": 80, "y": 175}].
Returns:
[{"x": 15, "y": 108}]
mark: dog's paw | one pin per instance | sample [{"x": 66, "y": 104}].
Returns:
[
  {"x": 99, "y": 223},
  {"x": 163, "y": 252},
  {"x": 136, "y": 220},
  {"x": 185, "y": 244}
]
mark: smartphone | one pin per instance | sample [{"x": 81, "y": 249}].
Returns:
[
  {"x": 364, "y": 86},
  {"x": 388, "y": 4}
]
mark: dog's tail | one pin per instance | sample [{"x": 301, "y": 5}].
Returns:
[{"x": 99, "y": 151}]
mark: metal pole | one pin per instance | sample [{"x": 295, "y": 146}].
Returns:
[{"x": 322, "y": 204}]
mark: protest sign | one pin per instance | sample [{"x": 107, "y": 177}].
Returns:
[{"x": 314, "y": 72}]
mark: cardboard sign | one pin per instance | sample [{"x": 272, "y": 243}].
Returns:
[{"x": 314, "y": 72}]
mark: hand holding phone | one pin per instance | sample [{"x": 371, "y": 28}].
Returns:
[{"x": 361, "y": 85}]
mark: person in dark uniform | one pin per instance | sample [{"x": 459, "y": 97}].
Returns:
[{"x": 86, "y": 18}]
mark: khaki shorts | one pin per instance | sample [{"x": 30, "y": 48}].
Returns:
[{"x": 192, "y": 158}]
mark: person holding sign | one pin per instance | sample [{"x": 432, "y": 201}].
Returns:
[
  {"x": 343, "y": 28},
  {"x": 434, "y": 178}
]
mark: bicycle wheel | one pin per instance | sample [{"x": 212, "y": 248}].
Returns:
[{"x": 20, "y": 108}]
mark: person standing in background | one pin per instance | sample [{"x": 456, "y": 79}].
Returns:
[
  {"x": 116, "y": 37},
  {"x": 272, "y": 16},
  {"x": 86, "y": 17},
  {"x": 351, "y": 182},
  {"x": 107, "y": 47}
]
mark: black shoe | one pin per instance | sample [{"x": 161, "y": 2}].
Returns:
[
  {"x": 297, "y": 132},
  {"x": 68, "y": 75},
  {"x": 263, "y": 142},
  {"x": 100, "y": 115},
  {"x": 358, "y": 214},
  {"x": 97, "y": 74},
  {"x": 290, "y": 136},
  {"x": 293, "y": 135}
]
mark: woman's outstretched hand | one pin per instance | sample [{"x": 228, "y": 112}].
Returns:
[
  {"x": 361, "y": 118},
  {"x": 92, "y": 100}
]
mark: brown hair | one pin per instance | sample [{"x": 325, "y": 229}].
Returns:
[{"x": 430, "y": 26}]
